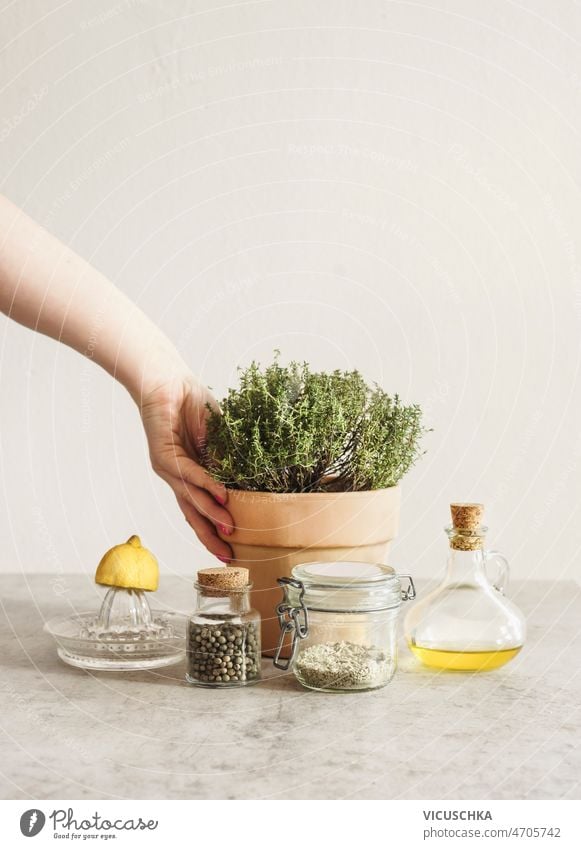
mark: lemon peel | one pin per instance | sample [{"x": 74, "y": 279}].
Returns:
[{"x": 129, "y": 565}]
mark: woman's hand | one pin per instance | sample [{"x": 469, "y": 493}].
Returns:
[
  {"x": 47, "y": 287},
  {"x": 174, "y": 419}
]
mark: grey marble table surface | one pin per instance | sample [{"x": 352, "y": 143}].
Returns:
[{"x": 70, "y": 734}]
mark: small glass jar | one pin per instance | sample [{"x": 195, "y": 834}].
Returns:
[
  {"x": 223, "y": 639},
  {"x": 341, "y": 618}
]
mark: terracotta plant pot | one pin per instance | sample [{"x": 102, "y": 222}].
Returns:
[{"x": 276, "y": 532}]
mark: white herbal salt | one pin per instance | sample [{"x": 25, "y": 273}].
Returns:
[{"x": 340, "y": 666}]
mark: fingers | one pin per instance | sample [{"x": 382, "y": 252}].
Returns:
[
  {"x": 174, "y": 467},
  {"x": 205, "y": 531},
  {"x": 192, "y": 473},
  {"x": 203, "y": 503}
]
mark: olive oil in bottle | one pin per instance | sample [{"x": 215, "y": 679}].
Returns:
[{"x": 472, "y": 661}]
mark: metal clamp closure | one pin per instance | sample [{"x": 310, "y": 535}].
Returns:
[
  {"x": 289, "y": 619},
  {"x": 409, "y": 592}
]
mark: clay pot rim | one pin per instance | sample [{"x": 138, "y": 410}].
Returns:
[
  {"x": 311, "y": 519},
  {"x": 258, "y": 495}
]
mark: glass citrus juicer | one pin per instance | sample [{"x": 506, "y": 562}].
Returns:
[
  {"x": 467, "y": 623},
  {"x": 126, "y": 633}
]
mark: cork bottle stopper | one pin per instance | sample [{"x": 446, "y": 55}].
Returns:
[
  {"x": 466, "y": 533},
  {"x": 223, "y": 579},
  {"x": 468, "y": 517}
]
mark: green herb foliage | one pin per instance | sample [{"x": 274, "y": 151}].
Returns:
[{"x": 287, "y": 429}]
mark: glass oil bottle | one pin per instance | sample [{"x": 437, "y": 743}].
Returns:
[{"x": 467, "y": 623}]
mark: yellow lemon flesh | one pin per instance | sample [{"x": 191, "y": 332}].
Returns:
[{"x": 128, "y": 565}]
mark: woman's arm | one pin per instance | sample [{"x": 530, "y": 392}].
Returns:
[{"x": 47, "y": 287}]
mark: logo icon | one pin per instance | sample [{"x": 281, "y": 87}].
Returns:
[{"x": 32, "y": 822}]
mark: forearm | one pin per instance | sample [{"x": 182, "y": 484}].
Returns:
[{"x": 46, "y": 286}]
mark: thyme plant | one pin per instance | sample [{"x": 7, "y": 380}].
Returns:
[{"x": 288, "y": 429}]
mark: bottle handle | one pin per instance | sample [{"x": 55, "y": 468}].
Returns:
[{"x": 500, "y": 582}]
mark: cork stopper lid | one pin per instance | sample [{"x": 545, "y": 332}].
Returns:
[
  {"x": 467, "y": 516},
  {"x": 466, "y": 532},
  {"x": 221, "y": 580}
]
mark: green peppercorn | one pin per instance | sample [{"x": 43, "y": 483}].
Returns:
[{"x": 224, "y": 654}]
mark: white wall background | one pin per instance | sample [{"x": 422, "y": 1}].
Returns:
[{"x": 392, "y": 186}]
